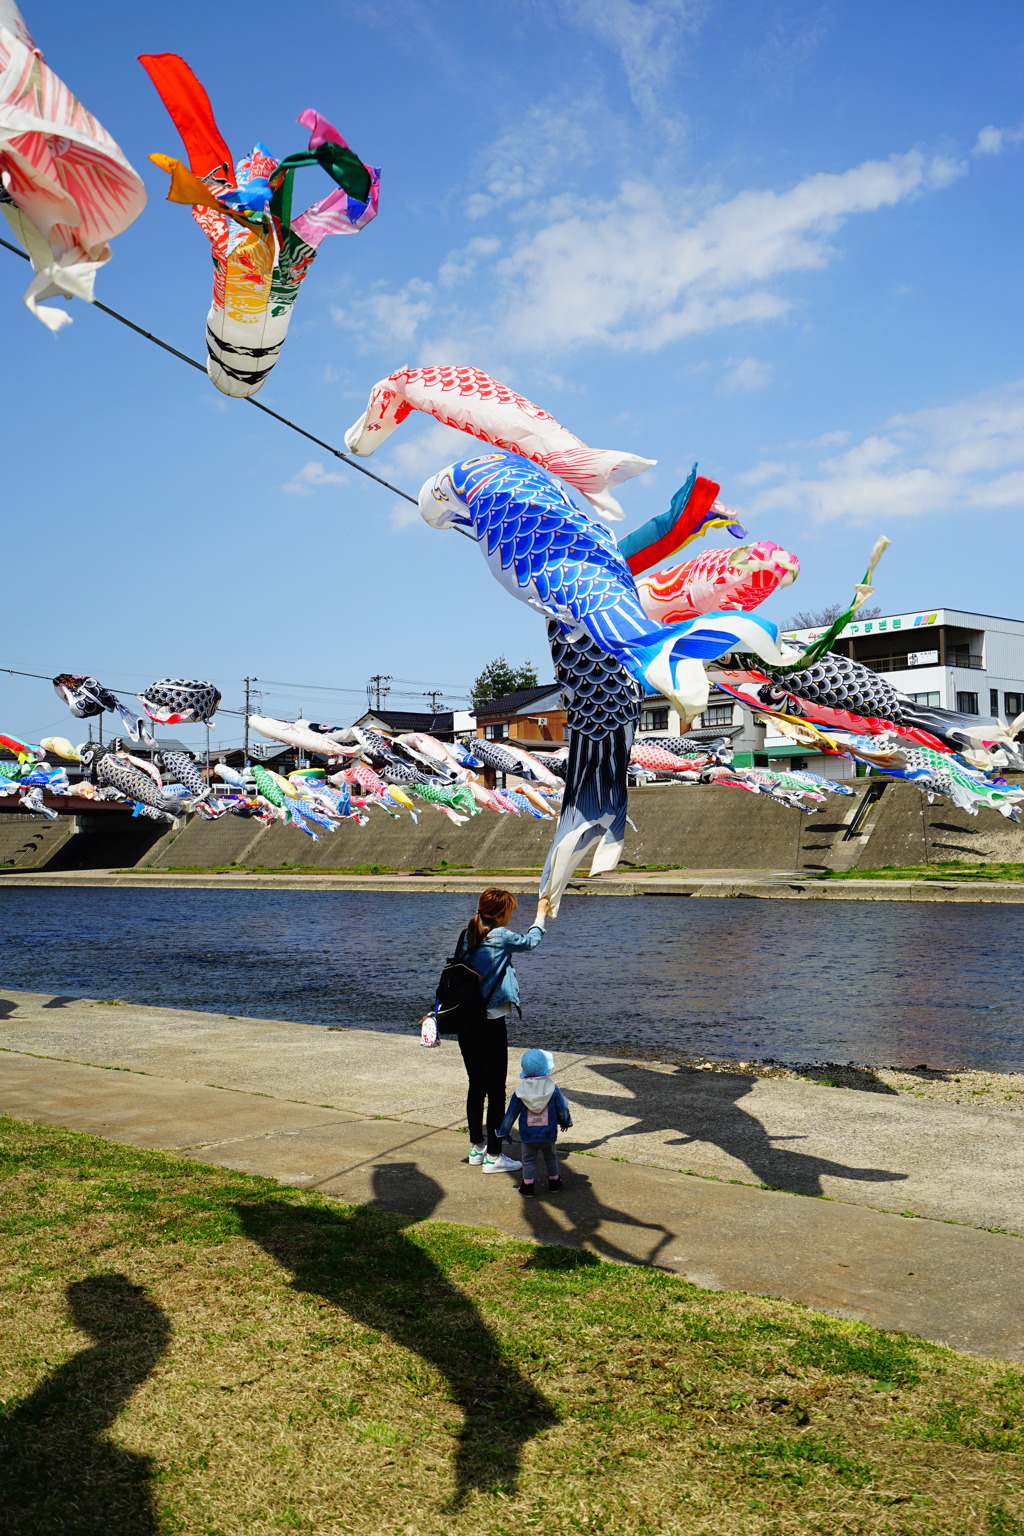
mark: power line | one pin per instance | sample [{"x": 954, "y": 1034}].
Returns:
[
  {"x": 271, "y": 682},
  {"x": 193, "y": 363},
  {"x": 378, "y": 687}
]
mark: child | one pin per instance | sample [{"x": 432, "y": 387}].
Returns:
[{"x": 541, "y": 1109}]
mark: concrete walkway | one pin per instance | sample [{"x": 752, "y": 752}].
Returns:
[
  {"x": 370, "y": 1116},
  {"x": 764, "y": 884}
]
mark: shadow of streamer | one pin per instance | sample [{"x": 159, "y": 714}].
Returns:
[
  {"x": 363, "y": 1263},
  {"x": 578, "y": 1218},
  {"x": 58, "y": 1471},
  {"x": 710, "y": 1113}
]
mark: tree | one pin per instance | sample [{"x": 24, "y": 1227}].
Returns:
[
  {"x": 498, "y": 678},
  {"x": 821, "y": 618}
]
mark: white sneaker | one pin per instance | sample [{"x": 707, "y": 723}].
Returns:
[
  {"x": 500, "y": 1164},
  {"x": 477, "y": 1153}
]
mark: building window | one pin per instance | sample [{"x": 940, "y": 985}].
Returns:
[
  {"x": 496, "y": 732},
  {"x": 967, "y": 703},
  {"x": 654, "y": 719},
  {"x": 925, "y": 698},
  {"x": 993, "y": 701},
  {"x": 718, "y": 714},
  {"x": 1014, "y": 705}
]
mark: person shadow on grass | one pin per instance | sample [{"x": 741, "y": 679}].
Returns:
[
  {"x": 363, "y": 1262},
  {"x": 58, "y": 1470}
]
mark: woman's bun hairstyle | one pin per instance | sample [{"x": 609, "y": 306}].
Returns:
[{"x": 493, "y": 910}]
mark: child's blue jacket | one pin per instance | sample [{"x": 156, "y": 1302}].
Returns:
[{"x": 542, "y": 1122}]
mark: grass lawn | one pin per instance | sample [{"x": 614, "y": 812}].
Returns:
[
  {"x": 187, "y": 1349},
  {"x": 949, "y": 871}
]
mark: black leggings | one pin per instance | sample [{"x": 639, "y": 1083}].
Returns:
[{"x": 485, "y": 1053}]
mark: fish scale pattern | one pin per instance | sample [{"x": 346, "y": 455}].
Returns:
[
  {"x": 599, "y": 693},
  {"x": 938, "y": 773},
  {"x": 836, "y": 682},
  {"x": 840, "y": 683},
  {"x": 468, "y": 381},
  {"x": 131, "y": 782},
  {"x": 188, "y": 698},
  {"x": 549, "y": 544},
  {"x": 493, "y": 755},
  {"x": 682, "y": 747},
  {"x": 182, "y": 766}
]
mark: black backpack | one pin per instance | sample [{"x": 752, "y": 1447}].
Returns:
[{"x": 461, "y": 1004}]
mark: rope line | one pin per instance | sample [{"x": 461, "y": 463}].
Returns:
[{"x": 193, "y": 363}]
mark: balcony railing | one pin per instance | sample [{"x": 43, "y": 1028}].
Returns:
[{"x": 964, "y": 659}]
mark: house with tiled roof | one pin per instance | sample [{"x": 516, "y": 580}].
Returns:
[{"x": 530, "y": 714}]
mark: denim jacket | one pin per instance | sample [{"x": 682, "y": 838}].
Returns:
[
  {"x": 489, "y": 956},
  {"x": 541, "y": 1123}
]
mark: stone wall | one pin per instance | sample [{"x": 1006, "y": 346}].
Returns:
[{"x": 682, "y": 826}]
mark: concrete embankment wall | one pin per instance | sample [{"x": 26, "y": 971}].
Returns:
[
  {"x": 99, "y": 841},
  {"x": 693, "y": 827}
]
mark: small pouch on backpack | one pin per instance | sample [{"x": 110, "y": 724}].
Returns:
[{"x": 428, "y": 1031}]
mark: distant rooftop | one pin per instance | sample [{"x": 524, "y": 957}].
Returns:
[
  {"x": 516, "y": 703},
  {"x": 409, "y": 720}
]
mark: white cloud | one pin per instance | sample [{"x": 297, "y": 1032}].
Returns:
[
  {"x": 954, "y": 458},
  {"x": 412, "y": 457},
  {"x": 533, "y": 155},
  {"x": 647, "y": 35},
  {"x": 412, "y": 460},
  {"x": 746, "y": 375},
  {"x": 393, "y": 317},
  {"x": 992, "y": 141},
  {"x": 459, "y": 265},
  {"x": 310, "y": 477},
  {"x": 766, "y": 470},
  {"x": 643, "y": 268},
  {"x": 404, "y": 515}
]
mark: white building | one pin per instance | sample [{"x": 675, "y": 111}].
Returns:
[{"x": 970, "y": 662}]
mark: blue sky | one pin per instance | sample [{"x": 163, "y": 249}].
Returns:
[{"x": 782, "y": 239}]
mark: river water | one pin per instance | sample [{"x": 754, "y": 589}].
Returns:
[{"x": 893, "y": 984}]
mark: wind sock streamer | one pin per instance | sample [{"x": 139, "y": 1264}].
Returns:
[
  {"x": 173, "y": 700},
  {"x": 65, "y": 187},
  {"x": 470, "y": 400},
  {"x": 724, "y": 579},
  {"x": 262, "y": 252}
]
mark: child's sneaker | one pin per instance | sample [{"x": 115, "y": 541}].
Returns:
[
  {"x": 500, "y": 1164},
  {"x": 554, "y": 1185},
  {"x": 526, "y": 1189},
  {"x": 477, "y": 1154}
]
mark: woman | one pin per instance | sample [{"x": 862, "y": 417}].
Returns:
[{"x": 489, "y": 947}]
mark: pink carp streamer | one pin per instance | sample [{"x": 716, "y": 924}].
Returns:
[
  {"x": 471, "y": 401},
  {"x": 719, "y": 580},
  {"x": 67, "y": 188}
]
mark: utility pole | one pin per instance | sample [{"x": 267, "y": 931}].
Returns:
[
  {"x": 377, "y": 689},
  {"x": 435, "y": 695},
  {"x": 248, "y": 681}
]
